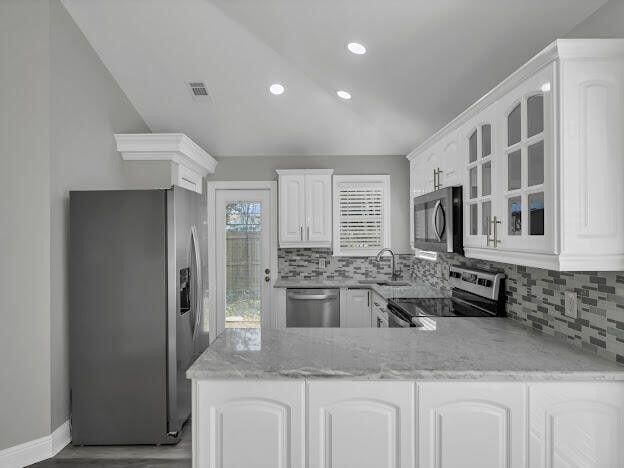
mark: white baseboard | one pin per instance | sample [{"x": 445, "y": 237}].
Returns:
[{"x": 36, "y": 450}]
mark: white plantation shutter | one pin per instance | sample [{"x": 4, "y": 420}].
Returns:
[{"x": 361, "y": 214}]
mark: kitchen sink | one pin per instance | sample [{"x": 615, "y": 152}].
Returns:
[{"x": 384, "y": 283}]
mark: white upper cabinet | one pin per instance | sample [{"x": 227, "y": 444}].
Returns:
[
  {"x": 541, "y": 159},
  {"x": 305, "y": 208}
]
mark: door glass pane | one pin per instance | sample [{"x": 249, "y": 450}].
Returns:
[
  {"x": 473, "y": 182},
  {"x": 536, "y": 163},
  {"x": 486, "y": 140},
  {"x": 243, "y": 226},
  {"x": 536, "y": 214},
  {"x": 486, "y": 214},
  {"x": 472, "y": 147},
  {"x": 513, "y": 126},
  {"x": 514, "y": 170},
  {"x": 486, "y": 178},
  {"x": 535, "y": 115},
  {"x": 473, "y": 219},
  {"x": 515, "y": 216}
]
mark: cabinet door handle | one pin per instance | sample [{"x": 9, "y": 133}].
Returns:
[
  {"x": 489, "y": 231},
  {"x": 495, "y": 222},
  {"x": 300, "y": 232},
  {"x": 308, "y": 232}
]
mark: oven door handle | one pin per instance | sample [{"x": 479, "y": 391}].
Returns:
[{"x": 438, "y": 233}]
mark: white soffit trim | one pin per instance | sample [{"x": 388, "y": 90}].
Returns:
[{"x": 174, "y": 147}]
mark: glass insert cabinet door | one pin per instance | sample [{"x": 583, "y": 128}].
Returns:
[
  {"x": 479, "y": 161},
  {"x": 525, "y": 183}
]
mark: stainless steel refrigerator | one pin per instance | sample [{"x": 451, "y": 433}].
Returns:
[{"x": 138, "y": 289}]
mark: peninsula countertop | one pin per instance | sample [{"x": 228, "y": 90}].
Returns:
[
  {"x": 387, "y": 292},
  {"x": 459, "y": 348}
]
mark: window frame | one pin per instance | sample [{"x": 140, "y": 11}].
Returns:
[{"x": 382, "y": 180}]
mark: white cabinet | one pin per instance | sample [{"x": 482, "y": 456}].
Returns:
[
  {"x": 361, "y": 424},
  {"x": 402, "y": 424},
  {"x": 541, "y": 161},
  {"x": 379, "y": 313},
  {"x": 576, "y": 425},
  {"x": 248, "y": 424},
  {"x": 355, "y": 311},
  {"x": 479, "y": 424},
  {"x": 305, "y": 208}
]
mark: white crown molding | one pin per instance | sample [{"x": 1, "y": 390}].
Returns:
[
  {"x": 174, "y": 147},
  {"x": 560, "y": 48},
  {"x": 37, "y": 450},
  {"x": 304, "y": 171}
]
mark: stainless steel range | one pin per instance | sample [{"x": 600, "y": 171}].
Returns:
[{"x": 474, "y": 293}]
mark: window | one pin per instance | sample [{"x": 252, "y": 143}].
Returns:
[{"x": 361, "y": 214}]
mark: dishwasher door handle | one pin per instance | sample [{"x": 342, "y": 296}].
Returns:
[{"x": 310, "y": 297}]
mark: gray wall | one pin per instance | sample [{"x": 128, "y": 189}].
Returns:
[
  {"x": 263, "y": 168},
  {"x": 87, "y": 108},
  {"x": 59, "y": 108},
  {"x": 24, "y": 222},
  {"x": 607, "y": 21}
]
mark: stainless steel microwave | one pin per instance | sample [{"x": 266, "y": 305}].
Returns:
[{"x": 438, "y": 225}]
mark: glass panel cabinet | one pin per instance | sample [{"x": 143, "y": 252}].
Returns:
[
  {"x": 479, "y": 163},
  {"x": 527, "y": 116}
]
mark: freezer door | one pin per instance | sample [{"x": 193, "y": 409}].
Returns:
[{"x": 185, "y": 220}]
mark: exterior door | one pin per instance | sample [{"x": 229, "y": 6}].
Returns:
[{"x": 243, "y": 258}]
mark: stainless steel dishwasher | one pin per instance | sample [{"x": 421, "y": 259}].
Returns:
[{"x": 313, "y": 308}]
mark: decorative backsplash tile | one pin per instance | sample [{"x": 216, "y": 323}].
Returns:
[
  {"x": 304, "y": 264},
  {"x": 535, "y": 297}
]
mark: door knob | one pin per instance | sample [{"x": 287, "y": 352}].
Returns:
[
  {"x": 267, "y": 271},
  {"x": 267, "y": 279}
]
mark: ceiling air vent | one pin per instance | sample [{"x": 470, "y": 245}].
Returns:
[{"x": 199, "y": 91}]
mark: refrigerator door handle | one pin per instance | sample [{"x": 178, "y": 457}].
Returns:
[{"x": 198, "y": 299}]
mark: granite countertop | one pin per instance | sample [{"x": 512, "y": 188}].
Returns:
[
  {"x": 458, "y": 348},
  {"x": 387, "y": 292}
]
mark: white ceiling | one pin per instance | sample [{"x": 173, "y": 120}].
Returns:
[{"x": 426, "y": 62}]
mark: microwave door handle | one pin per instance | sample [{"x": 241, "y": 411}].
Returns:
[{"x": 438, "y": 205}]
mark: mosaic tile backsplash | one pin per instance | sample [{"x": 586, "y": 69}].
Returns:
[
  {"x": 535, "y": 297},
  {"x": 304, "y": 264}
]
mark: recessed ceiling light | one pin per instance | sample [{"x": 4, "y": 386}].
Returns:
[
  {"x": 276, "y": 89},
  {"x": 356, "y": 48},
  {"x": 343, "y": 94},
  {"x": 545, "y": 87}
]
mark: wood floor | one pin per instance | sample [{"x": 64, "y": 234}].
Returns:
[{"x": 140, "y": 456}]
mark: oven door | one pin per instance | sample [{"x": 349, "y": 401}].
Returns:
[
  {"x": 396, "y": 319},
  {"x": 433, "y": 221}
]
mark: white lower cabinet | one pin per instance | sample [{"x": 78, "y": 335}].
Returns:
[
  {"x": 355, "y": 309},
  {"x": 403, "y": 424},
  {"x": 248, "y": 424},
  {"x": 361, "y": 424},
  {"x": 471, "y": 424},
  {"x": 576, "y": 425}
]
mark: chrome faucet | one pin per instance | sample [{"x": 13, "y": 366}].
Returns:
[{"x": 395, "y": 273}]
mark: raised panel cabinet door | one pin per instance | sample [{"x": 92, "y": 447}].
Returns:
[
  {"x": 291, "y": 209},
  {"x": 248, "y": 424},
  {"x": 358, "y": 312},
  {"x": 318, "y": 208},
  {"x": 579, "y": 424},
  {"x": 466, "y": 424},
  {"x": 361, "y": 424}
]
